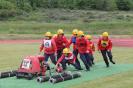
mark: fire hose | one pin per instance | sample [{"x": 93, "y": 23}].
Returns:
[
  {"x": 8, "y": 74},
  {"x": 46, "y": 78},
  {"x": 65, "y": 78}
]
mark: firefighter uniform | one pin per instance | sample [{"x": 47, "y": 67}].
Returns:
[
  {"x": 68, "y": 58},
  {"x": 75, "y": 49},
  {"x": 49, "y": 47},
  {"x": 91, "y": 47},
  {"x": 61, "y": 42},
  {"x": 81, "y": 43},
  {"x": 105, "y": 46}
]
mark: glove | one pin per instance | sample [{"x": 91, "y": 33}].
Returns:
[
  {"x": 87, "y": 51},
  {"x": 108, "y": 50},
  {"x": 59, "y": 68}
]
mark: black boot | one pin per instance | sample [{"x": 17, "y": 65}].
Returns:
[
  {"x": 106, "y": 62},
  {"x": 93, "y": 63},
  {"x": 112, "y": 62},
  {"x": 87, "y": 68},
  {"x": 80, "y": 69},
  {"x": 107, "y": 65}
]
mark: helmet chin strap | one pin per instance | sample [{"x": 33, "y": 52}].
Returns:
[
  {"x": 47, "y": 38},
  {"x": 66, "y": 54}
]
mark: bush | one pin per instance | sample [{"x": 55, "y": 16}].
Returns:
[
  {"x": 27, "y": 7},
  {"x": 123, "y": 4},
  {"x": 7, "y": 5},
  {"x": 81, "y": 4},
  {"x": 7, "y": 13},
  {"x": 111, "y": 5}
]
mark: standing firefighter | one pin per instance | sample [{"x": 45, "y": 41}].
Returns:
[
  {"x": 68, "y": 58},
  {"x": 91, "y": 47},
  {"x": 49, "y": 47},
  {"x": 81, "y": 43},
  {"x": 105, "y": 46},
  {"x": 61, "y": 42},
  {"x": 75, "y": 49}
]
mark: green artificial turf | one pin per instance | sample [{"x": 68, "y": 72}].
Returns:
[
  {"x": 98, "y": 71},
  {"x": 12, "y": 54}
]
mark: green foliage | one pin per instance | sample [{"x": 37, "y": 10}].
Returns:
[
  {"x": 105, "y": 5},
  {"x": 123, "y": 4},
  {"x": 29, "y": 5},
  {"x": 5, "y": 14},
  {"x": 6, "y": 5},
  {"x": 68, "y": 4}
]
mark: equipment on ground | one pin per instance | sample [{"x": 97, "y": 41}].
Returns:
[
  {"x": 32, "y": 66},
  {"x": 61, "y": 78},
  {"x": 46, "y": 78},
  {"x": 8, "y": 74}
]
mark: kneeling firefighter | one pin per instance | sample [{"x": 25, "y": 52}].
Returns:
[{"x": 68, "y": 58}]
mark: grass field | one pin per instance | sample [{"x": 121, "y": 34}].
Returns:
[
  {"x": 12, "y": 54},
  {"x": 93, "y": 22},
  {"x": 35, "y": 30},
  {"x": 31, "y": 27},
  {"x": 121, "y": 80}
]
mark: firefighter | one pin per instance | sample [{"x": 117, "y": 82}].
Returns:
[
  {"x": 105, "y": 46},
  {"x": 73, "y": 41},
  {"x": 91, "y": 47},
  {"x": 68, "y": 58},
  {"x": 61, "y": 42},
  {"x": 81, "y": 43},
  {"x": 49, "y": 46}
]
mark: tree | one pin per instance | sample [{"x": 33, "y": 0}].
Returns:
[
  {"x": 123, "y": 4},
  {"x": 110, "y": 5}
]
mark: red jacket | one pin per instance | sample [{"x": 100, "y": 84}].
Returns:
[
  {"x": 81, "y": 44},
  {"x": 104, "y": 44},
  {"x": 73, "y": 41},
  {"x": 71, "y": 58},
  {"x": 61, "y": 42},
  {"x": 49, "y": 46},
  {"x": 91, "y": 47}
]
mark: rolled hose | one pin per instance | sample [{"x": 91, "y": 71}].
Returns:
[
  {"x": 65, "y": 78},
  {"x": 46, "y": 78},
  {"x": 8, "y": 74}
]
